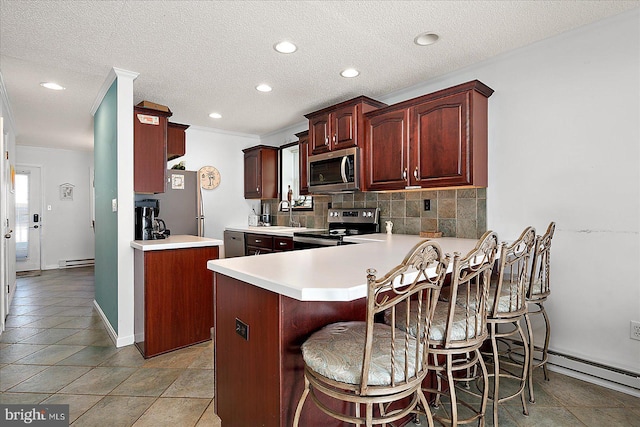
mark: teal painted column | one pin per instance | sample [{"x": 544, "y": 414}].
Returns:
[{"x": 106, "y": 188}]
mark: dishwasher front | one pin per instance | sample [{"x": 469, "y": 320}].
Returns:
[{"x": 233, "y": 244}]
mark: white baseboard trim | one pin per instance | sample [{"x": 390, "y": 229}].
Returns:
[
  {"x": 625, "y": 382},
  {"x": 118, "y": 341}
]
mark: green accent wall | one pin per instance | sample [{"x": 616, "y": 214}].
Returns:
[{"x": 105, "y": 128}]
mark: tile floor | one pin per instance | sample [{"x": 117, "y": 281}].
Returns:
[{"x": 56, "y": 350}]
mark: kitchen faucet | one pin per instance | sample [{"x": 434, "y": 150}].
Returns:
[{"x": 292, "y": 223}]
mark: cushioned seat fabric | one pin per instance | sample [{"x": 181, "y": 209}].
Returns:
[
  {"x": 461, "y": 325},
  {"x": 508, "y": 301},
  {"x": 536, "y": 288},
  {"x": 336, "y": 352}
]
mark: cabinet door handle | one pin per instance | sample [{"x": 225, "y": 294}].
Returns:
[
  {"x": 257, "y": 188},
  {"x": 283, "y": 244},
  {"x": 415, "y": 173},
  {"x": 404, "y": 173},
  {"x": 335, "y": 137},
  {"x": 326, "y": 140},
  {"x": 258, "y": 241}
]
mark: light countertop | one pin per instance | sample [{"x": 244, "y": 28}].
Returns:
[
  {"x": 274, "y": 230},
  {"x": 175, "y": 242},
  {"x": 336, "y": 273}
]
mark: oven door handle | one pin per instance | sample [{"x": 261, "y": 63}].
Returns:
[
  {"x": 343, "y": 169},
  {"x": 315, "y": 241}
]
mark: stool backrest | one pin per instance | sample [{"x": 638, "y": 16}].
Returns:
[
  {"x": 408, "y": 293},
  {"x": 466, "y": 323},
  {"x": 539, "y": 288},
  {"x": 514, "y": 266}
]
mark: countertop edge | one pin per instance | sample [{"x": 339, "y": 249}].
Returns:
[
  {"x": 175, "y": 242},
  {"x": 303, "y": 275},
  {"x": 272, "y": 231},
  {"x": 304, "y": 294}
]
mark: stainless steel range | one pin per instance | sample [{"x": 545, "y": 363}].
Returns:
[{"x": 342, "y": 222}]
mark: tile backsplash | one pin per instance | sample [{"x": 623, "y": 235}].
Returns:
[{"x": 454, "y": 212}]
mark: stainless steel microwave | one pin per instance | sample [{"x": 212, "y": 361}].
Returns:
[{"x": 335, "y": 171}]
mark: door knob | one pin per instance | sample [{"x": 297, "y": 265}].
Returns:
[
  {"x": 35, "y": 226},
  {"x": 8, "y": 235}
]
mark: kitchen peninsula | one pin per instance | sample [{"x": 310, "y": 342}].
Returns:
[
  {"x": 266, "y": 306},
  {"x": 173, "y": 297}
]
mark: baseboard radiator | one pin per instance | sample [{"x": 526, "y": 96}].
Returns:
[
  {"x": 72, "y": 263},
  {"x": 606, "y": 376}
]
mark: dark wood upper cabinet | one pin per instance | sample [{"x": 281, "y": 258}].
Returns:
[
  {"x": 176, "y": 141},
  {"x": 261, "y": 172},
  {"x": 436, "y": 140},
  {"x": 387, "y": 142},
  {"x": 303, "y": 144},
  {"x": 339, "y": 126},
  {"x": 319, "y": 134},
  {"x": 441, "y": 147},
  {"x": 149, "y": 150}
]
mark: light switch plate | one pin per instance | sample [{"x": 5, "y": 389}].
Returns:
[{"x": 114, "y": 205}]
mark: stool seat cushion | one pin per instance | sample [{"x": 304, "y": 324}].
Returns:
[{"x": 336, "y": 352}]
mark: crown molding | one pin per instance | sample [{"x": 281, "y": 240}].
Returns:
[
  {"x": 7, "y": 112},
  {"x": 114, "y": 73}
]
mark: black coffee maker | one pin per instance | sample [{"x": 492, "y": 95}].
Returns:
[{"x": 146, "y": 212}]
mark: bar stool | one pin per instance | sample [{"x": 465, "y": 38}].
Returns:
[
  {"x": 457, "y": 332},
  {"x": 537, "y": 293},
  {"x": 506, "y": 306},
  {"x": 374, "y": 366}
]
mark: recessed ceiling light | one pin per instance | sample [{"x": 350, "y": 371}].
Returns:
[
  {"x": 52, "y": 86},
  {"x": 263, "y": 87},
  {"x": 350, "y": 72},
  {"x": 285, "y": 47},
  {"x": 215, "y": 115},
  {"x": 425, "y": 39}
]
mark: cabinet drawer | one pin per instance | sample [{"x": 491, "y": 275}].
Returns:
[
  {"x": 253, "y": 250},
  {"x": 282, "y": 243},
  {"x": 259, "y": 241}
]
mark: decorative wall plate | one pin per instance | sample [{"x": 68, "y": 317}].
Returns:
[{"x": 209, "y": 177}]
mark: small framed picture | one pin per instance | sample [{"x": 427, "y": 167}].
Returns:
[
  {"x": 66, "y": 192},
  {"x": 177, "y": 181}
]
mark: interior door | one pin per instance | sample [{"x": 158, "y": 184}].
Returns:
[
  {"x": 28, "y": 218},
  {"x": 7, "y": 231}
]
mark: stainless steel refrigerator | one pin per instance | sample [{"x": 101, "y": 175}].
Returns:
[{"x": 180, "y": 205}]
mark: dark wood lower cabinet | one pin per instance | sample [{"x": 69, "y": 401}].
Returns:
[
  {"x": 173, "y": 298},
  {"x": 259, "y": 380}
]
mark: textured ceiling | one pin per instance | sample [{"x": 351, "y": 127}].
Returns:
[{"x": 202, "y": 56}]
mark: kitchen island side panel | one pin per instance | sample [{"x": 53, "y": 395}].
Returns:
[
  {"x": 246, "y": 370},
  {"x": 259, "y": 380},
  {"x": 178, "y": 298}
]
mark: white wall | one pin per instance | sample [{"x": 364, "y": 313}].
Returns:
[
  {"x": 225, "y": 205},
  {"x": 564, "y": 146},
  {"x": 66, "y": 228}
]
